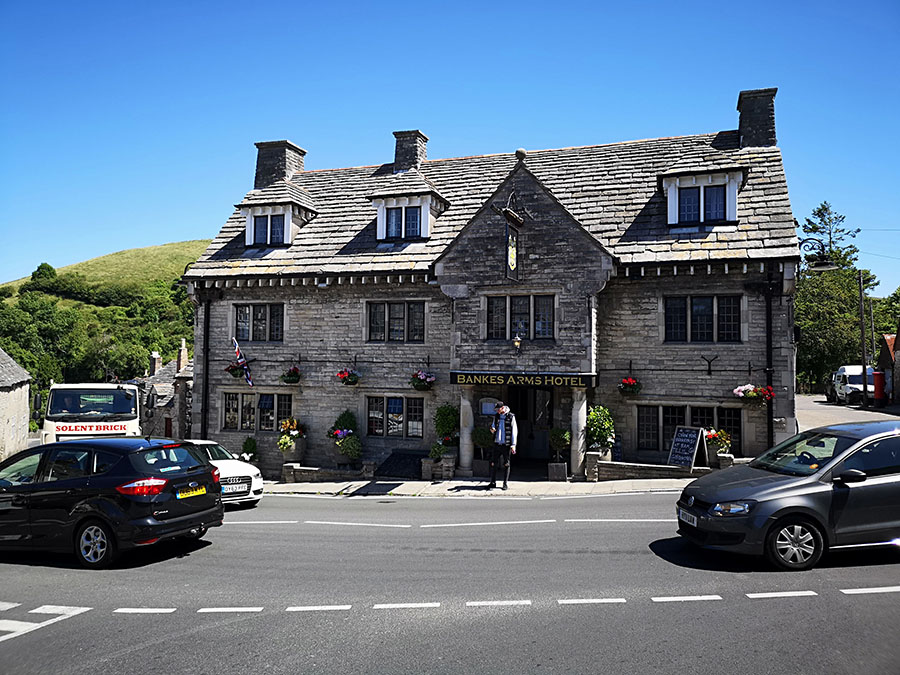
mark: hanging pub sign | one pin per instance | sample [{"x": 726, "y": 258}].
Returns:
[
  {"x": 524, "y": 379},
  {"x": 512, "y": 252}
]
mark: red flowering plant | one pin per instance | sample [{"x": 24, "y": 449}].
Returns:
[
  {"x": 629, "y": 385},
  {"x": 720, "y": 440},
  {"x": 291, "y": 375},
  {"x": 348, "y": 376},
  {"x": 753, "y": 394}
]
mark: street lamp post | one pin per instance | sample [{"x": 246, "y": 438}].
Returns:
[{"x": 862, "y": 331}]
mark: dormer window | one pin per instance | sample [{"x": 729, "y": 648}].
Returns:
[
  {"x": 273, "y": 226},
  {"x": 402, "y": 218},
  {"x": 268, "y": 230},
  {"x": 708, "y": 198},
  {"x": 403, "y": 222}
]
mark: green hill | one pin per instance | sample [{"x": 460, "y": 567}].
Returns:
[{"x": 135, "y": 266}]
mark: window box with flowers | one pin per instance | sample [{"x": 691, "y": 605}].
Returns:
[
  {"x": 348, "y": 376},
  {"x": 235, "y": 369},
  {"x": 720, "y": 441},
  {"x": 629, "y": 386},
  {"x": 291, "y": 375},
  {"x": 422, "y": 380},
  {"x": 292, "y": 439},
  {"x": 754, "y": 395}
]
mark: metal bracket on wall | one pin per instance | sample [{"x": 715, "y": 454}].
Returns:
[{"x": 708, "y": 363}]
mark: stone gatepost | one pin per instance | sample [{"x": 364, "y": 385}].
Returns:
[
  {"x": 466, "y": 424},
  {"x": 579, "y": 421}
]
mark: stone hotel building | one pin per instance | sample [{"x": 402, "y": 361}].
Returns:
[{"x": 541, "y": 278}]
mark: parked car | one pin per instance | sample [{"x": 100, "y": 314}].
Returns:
[
  {"x": 97, "y": 497},
  {"x": 848, "y": 384},
  {"x": 831, "y": 488},
  {"x": 241, "y": 481}
]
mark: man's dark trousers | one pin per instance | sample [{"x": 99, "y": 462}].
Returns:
[{"x": 500, "y": 452}]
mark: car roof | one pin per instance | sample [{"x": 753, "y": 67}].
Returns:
[
  {"x": 861, "y": 430},
  {"x": 121, "y": 444}
]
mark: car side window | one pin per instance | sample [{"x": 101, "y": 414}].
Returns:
[
  {"x": 67, "y": 463},
  {"x": 20, "y": 472},
  {"x": 104, "y": 461},
  {"x": 880, "y": 458}
]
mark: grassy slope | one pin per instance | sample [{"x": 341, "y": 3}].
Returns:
[{"x": 136, "y": 266}]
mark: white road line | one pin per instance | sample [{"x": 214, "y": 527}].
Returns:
[
  {"x": 497, "y": 603},
  {"x": 62, "y": 613},
  {"x": 319, "y": 608},
  {"x": 864, "y": 591},
  {"x": 65, "y": 610},
  {"x": 781, "y": 594},
  {"x": 621, "y": 520},
  {"x": 591, "y": 601},
  {"x": 326, "y": 522},
  {"x": 498, "y": 522},
  {"x": 8, "y": 605},
  {"x": 8, "y": 625},
  {"x": 609, "y": 494},
  {"x": 685, "y": 598},
  {"x": 408, "y": 605},
  {"x": 144, "y": 610},
  {"x": 260, "y": 522},
  {"x": 227, "y": 610}
]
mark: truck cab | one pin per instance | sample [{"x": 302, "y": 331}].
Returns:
[{"x": 91, "y": 410}]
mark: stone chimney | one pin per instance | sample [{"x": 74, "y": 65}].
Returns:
[
  {"x": 410, "y": 151},
  {"x": 757, "y": 121},
  {"x": 155, "y": 362},
  {"x": 275, "y": 161},
  {"x": 182, "y": 357}
]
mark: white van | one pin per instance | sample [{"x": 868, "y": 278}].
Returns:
[{"x": 848, "y": 384}]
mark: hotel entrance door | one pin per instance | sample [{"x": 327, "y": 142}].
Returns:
[{"x": 533, "y": 408}]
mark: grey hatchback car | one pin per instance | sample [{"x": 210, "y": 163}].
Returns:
[{"x": 833, "y": 487}]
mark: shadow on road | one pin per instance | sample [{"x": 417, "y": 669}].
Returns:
[{"x": 132, "y": 559}]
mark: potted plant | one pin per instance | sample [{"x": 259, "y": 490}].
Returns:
[
  {"x": 720, "y": 441},
  {"x": 341, "y": 431},
  {"x": 421, "y": 380},
  {"x": 483, "y": 439},
  {"x": 235, "y": 369},
  {"x": 446, "y": 424},
  {"x": 292, "y": 439},
  {"x": 248, "y": 449},
  {"x": 629, "y": 386},
  {"x": 291, "y": 375},
  {"x": 348, "y": 376},
  {"x": 560, "y": 441},
  {"x": 753, "y": 394},
  {"x": 599, "y": 430}
]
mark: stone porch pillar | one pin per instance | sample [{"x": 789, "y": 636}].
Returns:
[
  {"x": 579, "y": 440},
  {"x": 466, "y": 424}
]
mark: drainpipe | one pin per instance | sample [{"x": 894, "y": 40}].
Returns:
[
  {"x": 204, "y": 419},
  {"x": 770, "y": 366}
]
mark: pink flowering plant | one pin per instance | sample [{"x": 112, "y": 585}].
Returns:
[
  {"x": 754, "y": 394},
  {"x": 422, "y": 379}
]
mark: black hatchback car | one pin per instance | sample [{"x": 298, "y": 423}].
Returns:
[
  {"x": 97, "y": 497},
  {"x": 832, "y": 487}
]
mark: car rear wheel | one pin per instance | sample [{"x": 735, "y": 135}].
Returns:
[
  {"x": 95, "y": 545},
  {"x": 794, "y": 544}
]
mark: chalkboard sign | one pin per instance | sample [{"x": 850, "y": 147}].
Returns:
[{"x": 684, "y": 446}]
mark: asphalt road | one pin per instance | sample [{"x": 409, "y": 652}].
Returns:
[
  {"x": 444, "y": 585},
  {"x": 816, "y": 411}
]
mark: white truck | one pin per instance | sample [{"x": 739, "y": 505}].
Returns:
[{"x": 91, "y": 411}]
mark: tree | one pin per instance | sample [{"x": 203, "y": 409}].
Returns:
[
  {"x": 826, "y": 225},
  {"x": 44, "y": 271}
]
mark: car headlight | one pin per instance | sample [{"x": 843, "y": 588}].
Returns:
[
  {"x": 731, "y": 508},
  {"x": 257, "y": 474}
]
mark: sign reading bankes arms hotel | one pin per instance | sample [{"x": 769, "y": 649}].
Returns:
[{"x": 525, "y": 379}]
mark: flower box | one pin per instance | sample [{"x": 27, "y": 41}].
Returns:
[
  {"x": 422, "y": 380},
  {"x": 629, "y": 386},
  {"x": 348, "y": 376},
  {"x": 291, "y": 375}
]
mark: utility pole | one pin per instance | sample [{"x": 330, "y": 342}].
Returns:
[
  {"x": 862, "y": 332},
  {"x": 872, "y": 320}
]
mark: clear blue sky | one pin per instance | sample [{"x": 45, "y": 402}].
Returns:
[{"x": 132, "y": 124}]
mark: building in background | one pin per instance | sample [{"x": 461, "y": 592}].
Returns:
[
  {"x": 173, "y": 385},
  {"x": 14, "y": 405}
]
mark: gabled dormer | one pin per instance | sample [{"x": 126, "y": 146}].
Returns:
[
  {"x": 276, "y": 208},
  {"x": 406, "y": 202},
  {"x": 702, "y": 194}
]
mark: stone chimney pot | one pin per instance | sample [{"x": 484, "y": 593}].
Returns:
[
  {"x": 757, "y": 117},
  {"x": 276, "y": 161},
  {"x": 410, "y": 151}
]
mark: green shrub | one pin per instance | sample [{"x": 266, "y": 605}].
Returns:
[
  {"x": 599, "y": 430},
  {"x": 350, "y": 446},
  {"x": 248, "y": 449},
  {"x": 436, "y": 451},
  {"x": 446, "y": 421},
  {"x": 560, "y": 440},
  {"x": 345, "y": 421}
]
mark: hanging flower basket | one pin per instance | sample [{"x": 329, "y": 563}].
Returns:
[
  {"x": 719, "y": 440},
  {"x": 235, "y": 370},
  {"x": 291, "y": 375},
  {"x": 422, "y": 380},
  {"x": 629, "y": 386},
  {"x": 754, "y": 395},
  {"x": 348, "y": 376}
]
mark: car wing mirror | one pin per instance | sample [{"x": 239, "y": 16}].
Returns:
[{"x": 850, "y": 476}]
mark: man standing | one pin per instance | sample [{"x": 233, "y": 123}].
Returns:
[{"x": 505, "y": 434}]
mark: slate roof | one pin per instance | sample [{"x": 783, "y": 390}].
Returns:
[
  {"x": 163, "y": 381},
  {"x": 282, "y": 192},
  {"x": 11, "y": 373},
  {"x": 611, "y": 189}
]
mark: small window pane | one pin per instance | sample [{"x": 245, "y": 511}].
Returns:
[
  {"x": 277, "y": 230},
  {"x": 242, "y": 322},
  {"x": 66, "y": 464},
  {"x": 248, "y": 412},
  {"x": 730, "y": 421},
  {"x": 702, "y": 319},
  {"x": 689, "y": 205},
  {"x": 415, "y": 322},
  {"x": 729, "y": 307},
  {"x": 376, "y": 321},
  {"x": 881, "y": 458},
  {"x": 231, "y": 411},
  {"x": 396, "y": 321},
  {"x": 519, "y": 316},
  {"x": 496, "y": 318},
  {"x": 376, "y": 416},
  {"x": 259, "y": 322},
  {"x": 267, "y": 411},
  {"x": 260, "y": 229},
  {"x": 415, "y": 416},
  {"x": 394, "y": 223},
  {"x": 673, "y": 416},
  {"x": 705, "y": 418},
  {"x": 543, "y": 317},
  {"x": 413, "y": 228},
  {"x": 714, "y": 202},
  {"x": 676, "y": 319},
  {"x": 285, "y": 407},
  {"x": 394, "y": 416},
  {"x": 104, "y": 461},
  {"x": 648, "y": 427},
  {"x": 22, "y": 471},
  {"x": 276, "y": 323}
]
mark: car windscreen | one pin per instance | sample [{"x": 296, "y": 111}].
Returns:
[
  {"x": 803, "y": 454},
  {"x": 216, "y": 451},
  {"x": 94, "y": 404},
  {"x": 167, "y": 460}
]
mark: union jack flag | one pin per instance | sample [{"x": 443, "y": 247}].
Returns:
[{"x": 241, "y": 361}]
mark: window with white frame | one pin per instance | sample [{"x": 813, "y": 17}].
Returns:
[
  {"x": 531, "y": 317},
  {"x": 259, "y": 323},
  {"x": 401, "y": 218},
  {"x": 255, "y": 412},
  {"x": 268, "y": 230},
  {"x": 395, "y": 416},
  {"x": 705, "y": 198}
]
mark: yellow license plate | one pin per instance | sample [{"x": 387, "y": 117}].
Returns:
[{"x": 191, "y": 492}]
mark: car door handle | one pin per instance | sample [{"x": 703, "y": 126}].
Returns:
[
  {"x": 71, "y": 491},
  {"x": 19, "y": 500}
]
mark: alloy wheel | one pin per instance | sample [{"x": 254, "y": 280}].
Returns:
[
  {"x": 94, "y": 544},
  {"x": 795, "y": 544}
]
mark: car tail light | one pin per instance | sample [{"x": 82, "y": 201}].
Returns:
[
  {"x": 145, "y": 487},
  {"x": 216, "y": 475}
]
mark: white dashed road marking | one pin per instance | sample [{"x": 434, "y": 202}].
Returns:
[
  {"x": 499, "y": 522},
  {"x": 144, "y": 610},
  {"x": 408, "y": 605},
  {"x": 227, "y": 610},
  {"x": 621, "y": 520},
  {"x": 326, "y": 522},
  {"x": 686, "y": 598},
  {"x": 497, "y": 603},
  {"x": 863, "y": 591},
  {"x": 8, "y": 605},
  {"x": 319, "y": 608},
  {"x": 260, "y": 522},
  {"x": 14, "y": 629},
  {"x": 591, "y": 601},
  {"x": 781, "y": 594}
]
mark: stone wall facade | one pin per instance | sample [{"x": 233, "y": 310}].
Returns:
[{"x": 14, "y": 413}]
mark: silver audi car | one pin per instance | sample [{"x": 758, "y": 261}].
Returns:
[{"x": 828, "y": 488}]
